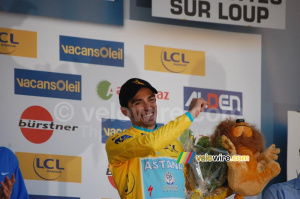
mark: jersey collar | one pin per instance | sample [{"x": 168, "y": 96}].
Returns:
[{"x": 144, "y": 129}]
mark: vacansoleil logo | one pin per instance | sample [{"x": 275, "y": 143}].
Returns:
[
  {"x": 187, "y": 157},
  {"x": 91, "y": 51},
  {"x": 47, "y": 84}
]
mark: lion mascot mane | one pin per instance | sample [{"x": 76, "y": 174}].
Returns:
[{"x": 247, "y": 178}]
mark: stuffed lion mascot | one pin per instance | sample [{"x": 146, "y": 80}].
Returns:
[{"x": 247, "y": 178}]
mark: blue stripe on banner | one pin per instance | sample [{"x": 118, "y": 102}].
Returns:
[{"x": 191, "y": 159}]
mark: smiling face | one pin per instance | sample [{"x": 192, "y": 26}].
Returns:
[{"x": 142, "y": 109}]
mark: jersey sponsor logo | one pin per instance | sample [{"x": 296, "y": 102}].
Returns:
[
  {"x": 167, "y": 174},
  {"x": 91, "y": 51},
  {"x": 37, "y": 125},
  {"x": 130, "y": 183},
  {"x": 18, "y": 43},
  {"x": 162, "y": 164},
  {"x": 47, "y": 84},
  {"x": 173, "y": 60},
  {"x": 48, "y": 167},
  {"x": 122, "y": 138},
  {"x": 219, "y": 101},
  {"x": 169, "y": 179}
]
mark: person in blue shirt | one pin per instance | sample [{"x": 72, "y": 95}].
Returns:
[
  {"x": 12, "y": 184},
  {"x": 284, "y": 190}
]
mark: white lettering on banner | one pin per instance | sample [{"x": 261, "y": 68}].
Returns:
[
  {"x": 226, "y": 102},
  {"x": 162, "y": 164},
  {"x": 257, "y": 13}
]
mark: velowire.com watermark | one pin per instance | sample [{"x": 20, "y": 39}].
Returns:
[{"x": 187, "y": 157}]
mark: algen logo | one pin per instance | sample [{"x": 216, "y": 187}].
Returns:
[
  {"x": 18, "y": 43},
  {"x": 37, "y": 125},
  {"x": 91, "y": 51},
  {"x": 47, "y": 84},
  {"x": 105, "y": 91},
  {"x": 174, "y": 60},
  {"x": 220, "y": 101},
  {"x": 50, "y": 167}
]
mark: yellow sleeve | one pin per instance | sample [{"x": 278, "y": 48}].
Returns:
[{"x": 142, "y": 146}]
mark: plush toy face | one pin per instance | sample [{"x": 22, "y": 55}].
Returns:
[{"x": 241, "y": 128}]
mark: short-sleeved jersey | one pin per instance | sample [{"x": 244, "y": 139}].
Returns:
[
  {"x": 143, "y": 161},
  {"x": 9, "y": 164}
]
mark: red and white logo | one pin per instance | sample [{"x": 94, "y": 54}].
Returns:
[
  {"x": 110, "y": 178},
  {"x": 37, "y": 125},
  {"x": 34, "y": 124}
]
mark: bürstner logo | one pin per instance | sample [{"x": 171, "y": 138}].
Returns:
[
  {"x": 220, "y": 101},
  {"x": 47, "y": 84},
  {"x": 37, "y": 125},
  {"x": 91, "y": 51}
]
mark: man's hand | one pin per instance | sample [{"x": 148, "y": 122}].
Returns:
[
  {"x": 7, "y": 187},
  {"x": 197, "y": 105}
]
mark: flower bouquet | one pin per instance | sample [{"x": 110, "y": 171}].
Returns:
[{"x": 206, "y": 175}]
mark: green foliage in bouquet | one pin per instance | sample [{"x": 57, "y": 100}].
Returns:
[
  {"x": 204, "y": 176},
  {"x": 215, "y": 172}
]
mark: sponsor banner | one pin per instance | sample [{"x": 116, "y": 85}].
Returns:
[
  {"x": 261, "y": 13},
  {"x": 172, "y": 60},
  {"x": 18, "y": 43},
  {"x": 219, "y": 101},
  {"x": 113, "y": 126},
  {"x": 47, "y": 84},
  {"x": 110, "y": 177},
  {"x": 104, "y": 11},
  {"x": 105, "y": 91},
  {"x": 91, "y": 51},
  {"x": 47, "y": 167},
  {"x": 50, "y": 197},
  {"x": 37, "y": 125}
]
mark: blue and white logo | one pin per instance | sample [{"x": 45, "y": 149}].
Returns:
[
  {"x": 91, "y": 51},
  {"x": 47, "y": 84},
  {"x": 169, "y": 179}
]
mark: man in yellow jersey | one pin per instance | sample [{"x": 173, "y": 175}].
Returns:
[{"x": 143, "y": 158}]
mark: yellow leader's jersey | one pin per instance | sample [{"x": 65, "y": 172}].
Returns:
[{"x": 143, "y": 161}]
